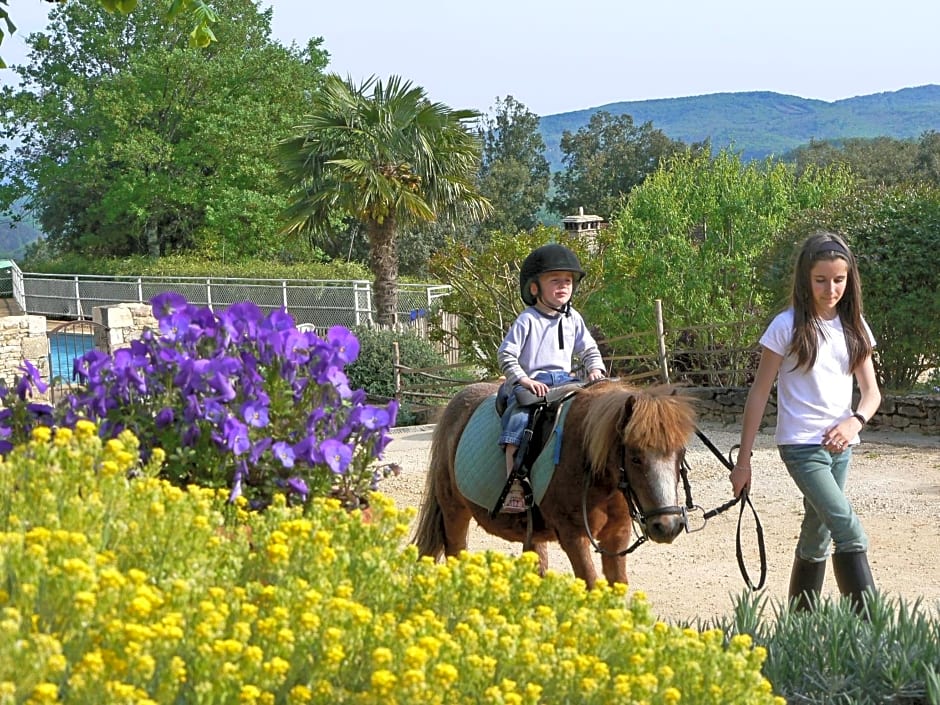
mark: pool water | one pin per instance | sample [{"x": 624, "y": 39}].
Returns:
[{"x": 64, "y": 348}]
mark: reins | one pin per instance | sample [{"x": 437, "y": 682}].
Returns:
[
  {"x": 742, "y": 499},
  {"x": 639, "y": 517}
]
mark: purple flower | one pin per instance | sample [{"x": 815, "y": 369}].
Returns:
[
  {"x": 236, "y": 436},
  {"x": 31, "y": 379},
  {"x": 284, "y": 453},
  {"x": 166, "y": 304},
  {"x": 164, "y": 417},
  {"x": 255, "y": 415},
  {"x": 298, "y": 486},
  {"x": 336, "y": 455},
  {"x": 345, "y": 345},
  {"x": 371, "y": 417}
]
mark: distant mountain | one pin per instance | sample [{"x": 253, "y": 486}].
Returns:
[
  {"x": 761, "y": 124},
  {"x": 15, "y": 237}
]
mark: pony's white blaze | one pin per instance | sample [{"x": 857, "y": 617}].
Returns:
[
  {"x": 662, "y": 493},
  {"x": 663, "y": 483}
]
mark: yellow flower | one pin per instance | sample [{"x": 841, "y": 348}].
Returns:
[
  {"x": 415, "y": 657},
  {"x": 57, "y": 663},
  {"x": 178, "y": 669},
  {"x": 46, "y": 693},
  {"x": 249, "y": 693},
  {"x": 140, "y": 606},
  {"x": 299, "y": 694},
  {"x": 671, "y": 696},
  {"x": 277, "y": 667},
  {"x": 41, "y": 434},
  {"x": 84, "y": 600},
  {"x": 63, "y": 436},
  {"x": 445, "y": 674},
  {"x": 382, "y": 656},
  {"x": 278, "y": 552},
  {"x": 383, "y": 682},
  {"x": 85, "y": 429},
  {"x": 412, "y": 678},
  {"x": 334, "y": 655}
]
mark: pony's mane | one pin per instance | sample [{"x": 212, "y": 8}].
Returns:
[{"x": 659, "y": 420}]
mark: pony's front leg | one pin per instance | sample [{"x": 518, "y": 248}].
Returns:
[
  {"x": 578, "y": 550},
  {"x": 615, "y": 568},
  {"x": 613, "y": 539}
]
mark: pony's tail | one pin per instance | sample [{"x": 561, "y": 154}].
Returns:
[{"x": 429, "y": 532}]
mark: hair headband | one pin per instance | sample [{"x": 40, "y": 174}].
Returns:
[{"x": 829, "y": 246}]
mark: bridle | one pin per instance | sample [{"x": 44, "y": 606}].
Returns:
[{"x": 641, "y": 518}]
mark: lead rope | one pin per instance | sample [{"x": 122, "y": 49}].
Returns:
[{"x": 742, "y": 499}]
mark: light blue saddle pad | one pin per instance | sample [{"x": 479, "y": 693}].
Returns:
[{"x": 480, "y": 465}]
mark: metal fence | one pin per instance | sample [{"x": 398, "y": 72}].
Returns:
[{"x": 312, "y": 302}]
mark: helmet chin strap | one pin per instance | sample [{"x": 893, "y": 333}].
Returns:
[{"x": 564, "y": 310}]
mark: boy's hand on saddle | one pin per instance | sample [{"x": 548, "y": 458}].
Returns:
[
  {"x": 594, "y": 375},
  {"x": 539, "y": 389}
]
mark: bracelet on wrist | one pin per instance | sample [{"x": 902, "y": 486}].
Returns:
[{"x": 860, "y": 418}]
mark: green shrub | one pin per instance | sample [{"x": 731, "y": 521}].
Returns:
[
  {"x": 374, "y": 369},
  {"x": 126, "y": 590},
  {"x": 196, "y": 266},
  {"x": 831, "y": 656}
]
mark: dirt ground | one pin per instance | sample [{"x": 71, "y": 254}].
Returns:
[{"x": 894, "y": 485}]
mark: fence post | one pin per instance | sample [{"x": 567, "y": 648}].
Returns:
[
  {"x": 661, "y": 339},
  {"x": 284, "y": 293},
  {"x": 209, "y": 293},
  {"x": 396, "y": 371},
  {"x": 78, "y": 299},
  {"x": 140, "y": 290}
]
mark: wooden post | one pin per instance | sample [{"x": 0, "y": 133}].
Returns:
[
  {"x": 396, "y": 371},
  {"x": 661, "y": 335}
]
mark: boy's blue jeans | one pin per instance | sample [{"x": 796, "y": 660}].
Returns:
[
  {"x": 516, "y": 419},
  {"x": 828, "y": 517}
]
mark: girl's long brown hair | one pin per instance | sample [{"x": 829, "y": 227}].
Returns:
[{"x": 806, "y": 325}]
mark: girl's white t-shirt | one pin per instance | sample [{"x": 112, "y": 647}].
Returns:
[{"x": 811, "y": 401}]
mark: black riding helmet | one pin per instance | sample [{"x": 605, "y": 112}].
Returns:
[{"x": 547, "y": 258}]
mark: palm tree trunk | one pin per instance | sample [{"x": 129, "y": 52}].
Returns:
[{"x": 383, "y": 261}]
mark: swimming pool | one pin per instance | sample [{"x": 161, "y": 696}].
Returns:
[{"x": 64, "y": 348}]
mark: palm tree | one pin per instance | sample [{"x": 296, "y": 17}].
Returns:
[{"x": 385, "y": 155}]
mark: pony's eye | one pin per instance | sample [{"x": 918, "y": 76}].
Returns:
[{"x": 636, "y": 460}]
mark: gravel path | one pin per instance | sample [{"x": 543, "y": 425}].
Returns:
[{"x": 894, "y": 485}]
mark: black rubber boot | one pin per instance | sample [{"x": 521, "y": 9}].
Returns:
[
  {"x": 853, "y": 577},
  {"x": 806, "y": 581}
]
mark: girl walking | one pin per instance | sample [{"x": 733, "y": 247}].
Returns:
[{"x": 814, "y": 349}]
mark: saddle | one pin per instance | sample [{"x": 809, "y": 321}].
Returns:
[{"x": 542, "y": 419}]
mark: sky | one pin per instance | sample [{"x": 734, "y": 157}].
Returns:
[{"x": 557, "y": 56}]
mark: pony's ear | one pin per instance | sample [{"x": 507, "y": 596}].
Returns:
[{"x": 628, "y": 406}]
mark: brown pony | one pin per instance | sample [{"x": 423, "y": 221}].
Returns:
[{"x": 612, "y": 432}]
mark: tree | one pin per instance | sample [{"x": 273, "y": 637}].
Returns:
[
  {"x": 699, "y": 235},
  {"x": 895, "y": 234},
  {"x": 878, "y": 160},
  {"x": 202, "y": 14},
  {"x": 131, "y": 142},
  {"x": 605, "y": 160},
  {"x": 514, "y": 173},
  {"x": 384, "y": 154}
]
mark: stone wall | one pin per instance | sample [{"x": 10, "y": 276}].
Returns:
[
  {"x": 23, "y": 338},
  {"x": 26, "y": 337},
  {"x": 122, "y": 324},
  {"x": 910, "y": 414}
]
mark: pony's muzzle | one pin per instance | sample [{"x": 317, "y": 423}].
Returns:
[{"x": 663, "y": 525}]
